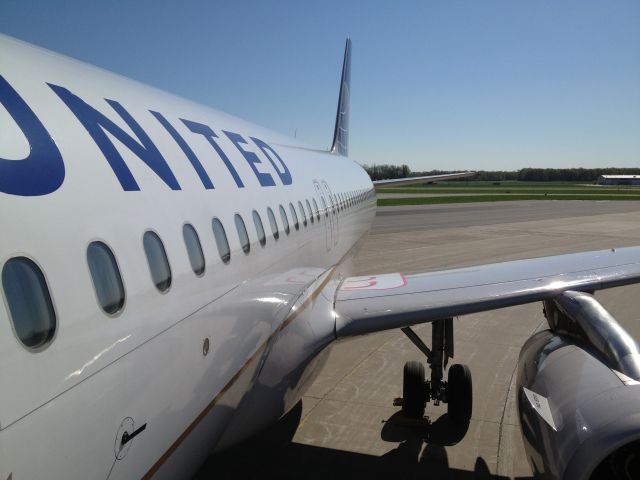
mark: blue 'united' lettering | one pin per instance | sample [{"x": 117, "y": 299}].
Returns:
[
  {"x": 210, "y": 135},
  {"x": 42, "y": 171},
  {"x": 204, "y": 178},
  {"x": 285, "y": 174},
  {"x": 252, "y": 159},
  {"x": 98, "y": 124}
]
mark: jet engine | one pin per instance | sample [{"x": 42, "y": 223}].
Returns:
[{"x": 578, "y": 394}]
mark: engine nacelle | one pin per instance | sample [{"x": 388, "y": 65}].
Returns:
[{"x": 579, "y": 394}]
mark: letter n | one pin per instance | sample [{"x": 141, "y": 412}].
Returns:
[{"x": 98, "y": 125}]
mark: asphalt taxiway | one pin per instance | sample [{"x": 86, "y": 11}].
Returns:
[{"x": 347, "y": 426}]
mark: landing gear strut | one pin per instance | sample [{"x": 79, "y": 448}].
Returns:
[{"x": 457, "y": 391}]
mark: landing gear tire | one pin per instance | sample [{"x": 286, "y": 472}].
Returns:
[
  {"x": 413, "y": 390},
  {"x": 459, "y": 394}
]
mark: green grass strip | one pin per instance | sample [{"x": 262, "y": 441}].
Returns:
[
  {"x": 515, "y": 190},
  {"x": 383, "y": 202}
]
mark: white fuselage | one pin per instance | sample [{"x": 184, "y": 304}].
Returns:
[{"x": 64, "y": 405}]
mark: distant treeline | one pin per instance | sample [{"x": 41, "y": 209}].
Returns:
[{"x": 382, "y": 172}]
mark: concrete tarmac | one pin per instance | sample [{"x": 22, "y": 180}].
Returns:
[{"x": 347, "y": 426}]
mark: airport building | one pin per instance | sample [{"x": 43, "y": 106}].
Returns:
[{"x": 618, "y": 180}]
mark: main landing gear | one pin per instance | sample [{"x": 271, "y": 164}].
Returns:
[{"x": 457, "y": 391}]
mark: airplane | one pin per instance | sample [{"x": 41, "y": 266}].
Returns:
[{"x": 171, "y": 277}]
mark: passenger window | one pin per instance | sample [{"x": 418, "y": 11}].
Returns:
[
  {"x": 294, "y": 216},
  {"x": 310, "y": 211},
  {"x": 29, "y": 302},
  {"x": 194, "y": 249},
  {"x": 259, "y": 228},
  {"x": 221, "y": 240},
  {"x": 315, "y": 207},
  {"x": 242, "y": 233},
  {"x": 106, "y": 277},
  {"x": 273, "y": 223},
  {"x": 285, "y": 220},
  {"x": 157, "y": 260},
  {"x": 302, "y": 214}
]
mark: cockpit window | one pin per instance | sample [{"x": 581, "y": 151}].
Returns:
[
  {"x": 157, "y": 260},
  {"x": 106, "y": 277},
  {"x": 30, "y": 306}
]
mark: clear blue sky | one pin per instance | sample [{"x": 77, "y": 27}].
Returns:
[{"x": 435, "y": 84}]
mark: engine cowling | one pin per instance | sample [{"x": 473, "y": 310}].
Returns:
[{"x": 580, "y": 416}]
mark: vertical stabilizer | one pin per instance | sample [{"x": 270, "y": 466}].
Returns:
[{"x": 341, "y": 132}]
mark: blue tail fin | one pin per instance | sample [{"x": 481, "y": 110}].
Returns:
[{"x": 341, "y": 133}]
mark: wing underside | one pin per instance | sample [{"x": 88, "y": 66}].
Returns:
[{"x": 381, "y": 302}]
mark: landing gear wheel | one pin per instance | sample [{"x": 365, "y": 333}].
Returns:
[
  {"x": 459, "y": 394},
  {"x": 413, "y": 390}
]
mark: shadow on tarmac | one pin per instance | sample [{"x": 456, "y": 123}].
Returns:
[{"x": 273, "y": 455}]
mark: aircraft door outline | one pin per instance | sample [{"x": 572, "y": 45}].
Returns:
[
  {"x": 327, "y": 228},
  {"x": 334, "y": 213}
]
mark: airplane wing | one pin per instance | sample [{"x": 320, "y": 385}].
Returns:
[
  {"x": 394, "y": 182},
  {"x": 372, "y": 303}
]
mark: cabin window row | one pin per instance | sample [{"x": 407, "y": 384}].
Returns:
[{"x": 28, "y": 297}]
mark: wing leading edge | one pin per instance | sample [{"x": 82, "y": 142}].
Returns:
[
  {"x": 369, "y": 304},
  {"x": 394, "y": 182}
]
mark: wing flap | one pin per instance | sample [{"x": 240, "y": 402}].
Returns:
[{"x": 369, "y": 304}]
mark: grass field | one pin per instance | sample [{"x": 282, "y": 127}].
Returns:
[{"x": 474, "y": 191}]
